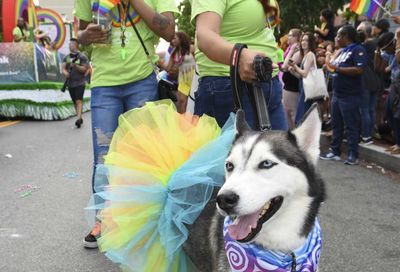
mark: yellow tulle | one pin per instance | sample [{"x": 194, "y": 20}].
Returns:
[
  {"x": 151, "y": 143},
  {"x": 157, "y": 140}
]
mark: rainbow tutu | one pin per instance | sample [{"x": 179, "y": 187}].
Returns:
[{"x": 158, "y": 175}]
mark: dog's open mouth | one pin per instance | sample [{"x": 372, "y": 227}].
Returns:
[{"x": 245, "y": 228}]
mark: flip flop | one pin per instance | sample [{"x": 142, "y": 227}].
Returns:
[
  {"x": 395, "y": 151},
  {"x": 389, "y": 149}
]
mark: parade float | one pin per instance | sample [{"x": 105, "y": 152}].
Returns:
[{"x": 30, "y": 72}]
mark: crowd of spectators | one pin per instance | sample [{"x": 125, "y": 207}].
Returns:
[{"x": 362, "y": 74}]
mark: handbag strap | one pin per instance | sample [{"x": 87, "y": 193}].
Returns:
[
  {"x": 255, "y": 92},
  {"x": 142, "y": 43},
  {"x": 305, "y": 58}
]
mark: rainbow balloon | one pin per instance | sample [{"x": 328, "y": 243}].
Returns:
[
  {"x": 55, "y": 18},
  {"x": 32, "y": 16},
  {"x": 20, "y": 7},
  {"x": 25, "y": 8}
]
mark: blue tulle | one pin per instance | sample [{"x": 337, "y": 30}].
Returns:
[
  {"x": 188, "y": 191},
  {"x": 190, "y": 188}
]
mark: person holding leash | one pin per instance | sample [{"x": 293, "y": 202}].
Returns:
[
  {"x": 221, "y": 24},
  {"x": 123, "y": 77},
  {"x": 74, "y": 68}
]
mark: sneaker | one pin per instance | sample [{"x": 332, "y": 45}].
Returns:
[
  {"x": 90, "y": 241},
  {"x": 351, "y": 160},
  {"x": 366, "y": 140},
  {"x": 329, "y": 157}
]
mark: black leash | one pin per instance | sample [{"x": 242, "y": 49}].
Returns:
[
  {"x": 294, "y": 262},
  {"x": 263, "y": 68}
]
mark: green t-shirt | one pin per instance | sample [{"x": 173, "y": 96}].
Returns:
[
  {"x": 243, "y": 21},
  {"x": 21, "y": 35},
  {"x": 109, "y": 69}
]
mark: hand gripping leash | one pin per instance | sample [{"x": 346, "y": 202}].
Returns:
[{"x": 263, "y": 69}]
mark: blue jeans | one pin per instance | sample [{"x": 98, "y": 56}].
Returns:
[
  {"x": 345, "y": 113},
  {"x": 368, "y": 103},
  {"x": 302, "y": 106},
  {"x": 214, "y": 98},
  {"x": 108, "y": 103}
]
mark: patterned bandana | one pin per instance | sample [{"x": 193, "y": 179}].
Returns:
[{"x": 253, "y": 258}]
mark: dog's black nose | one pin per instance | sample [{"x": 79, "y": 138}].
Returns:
[{"x": 227, "y": 201}]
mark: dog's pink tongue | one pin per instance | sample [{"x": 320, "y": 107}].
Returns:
[{"x": 242, "y": 226}]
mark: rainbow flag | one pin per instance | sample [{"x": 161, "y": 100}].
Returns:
[
  {"x": 365, "y": 7},
  {"x": 106, "y": 5}
]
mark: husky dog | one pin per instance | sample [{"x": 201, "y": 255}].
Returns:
[{"x": 271, "y": 193}]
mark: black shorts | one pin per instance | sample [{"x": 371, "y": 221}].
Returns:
[{"x": 76, "y": 93}]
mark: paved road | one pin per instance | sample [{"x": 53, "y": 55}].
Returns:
[{"x": 43, "y": 231}]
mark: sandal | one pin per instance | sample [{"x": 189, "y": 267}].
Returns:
[
  {"x": 389, "y": 149},
  {"x": 395, "y": 151}
]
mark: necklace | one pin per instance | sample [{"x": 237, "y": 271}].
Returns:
[{"x": 123, "y": 9}]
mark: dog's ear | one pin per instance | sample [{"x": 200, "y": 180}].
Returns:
[
  {"x": 308, "y": 133},
  {"x": 241, "y": 124}
]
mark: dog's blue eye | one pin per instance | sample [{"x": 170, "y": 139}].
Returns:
[
  {"x": 229, "y": 166},
  {"x": 266, "y": 164}
]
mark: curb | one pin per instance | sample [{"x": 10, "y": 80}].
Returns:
[{"x": 370, "y": 153}]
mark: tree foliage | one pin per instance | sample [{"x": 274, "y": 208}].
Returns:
[
  {"x": 304, "y": 14},
  {"x": 183, "y": 20}
]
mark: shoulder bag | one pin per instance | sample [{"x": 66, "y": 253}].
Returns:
[{"x": 315, "y": 84}]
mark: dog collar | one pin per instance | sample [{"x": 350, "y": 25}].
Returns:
[{"x": 251, "y": 257}]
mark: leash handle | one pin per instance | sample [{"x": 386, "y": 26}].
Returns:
[
  {"x": 264, "y": 122},
  {"x": 237, "y": 84},
  {"x": 263, "y": 68},
  {"x": 260, "y": 64}
]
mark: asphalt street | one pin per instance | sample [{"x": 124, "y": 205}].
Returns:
[{"x": 43, "y": 230}]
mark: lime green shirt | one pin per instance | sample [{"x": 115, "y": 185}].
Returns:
[
  {"x": 18, "y": 34},
  {"x": 109, "y": 68},
  {"x": 242, "y": 21}
]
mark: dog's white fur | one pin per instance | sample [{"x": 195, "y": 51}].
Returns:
[{"x": 256, "y": 186}]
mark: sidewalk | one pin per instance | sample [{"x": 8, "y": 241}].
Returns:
[{"x": 371, "y": 153}]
